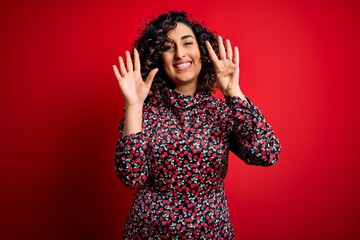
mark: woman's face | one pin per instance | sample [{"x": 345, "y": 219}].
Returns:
[{"x": 181, "y": 57}]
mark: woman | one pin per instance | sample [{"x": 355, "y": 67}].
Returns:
[{"x": 175, "y": 136}]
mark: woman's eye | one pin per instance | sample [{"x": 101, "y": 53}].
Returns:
[
  {"x": 167, "y": 47},
  {"x": 188, "y": 43}
]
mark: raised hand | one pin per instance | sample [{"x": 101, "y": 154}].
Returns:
[
  {"x": 226, "y": 68},
  {"x": 132, "y": 86}
]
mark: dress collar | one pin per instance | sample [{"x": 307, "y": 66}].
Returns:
[{"x": 182, "y": 101}]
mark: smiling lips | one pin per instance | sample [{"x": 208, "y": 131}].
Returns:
[{"x": 183, "y": 66}]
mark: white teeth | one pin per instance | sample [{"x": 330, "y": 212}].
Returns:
[{"x": 183, "y": 65}]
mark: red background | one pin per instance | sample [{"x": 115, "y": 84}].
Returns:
[{"x": 60, "y": 105}]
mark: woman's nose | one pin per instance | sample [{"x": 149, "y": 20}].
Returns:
[{"x": 179, "y": 52}]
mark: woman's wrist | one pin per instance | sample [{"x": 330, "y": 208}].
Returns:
[
  {"x": 134, "y": 106},
  {"x": 235, "y": 93}
]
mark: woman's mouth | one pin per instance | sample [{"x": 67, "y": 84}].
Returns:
[{"x": 183, "y": 66}]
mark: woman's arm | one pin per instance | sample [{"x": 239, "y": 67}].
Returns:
[
  {"x": 251, "y": 138},
  {"x": 130, "y": 158},
  {"x": 131, "y": 163},
  {"x": 132, "y": 119},
  {"x": 134, "y": 90}
]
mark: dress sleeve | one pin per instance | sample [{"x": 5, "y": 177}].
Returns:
[
  {"x": 131, "y": 164},
  {"x": 251, "y": 138}
]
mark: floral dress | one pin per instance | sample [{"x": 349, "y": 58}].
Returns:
[{"x": 179, "y": 160}]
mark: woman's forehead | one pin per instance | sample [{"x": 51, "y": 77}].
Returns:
[{"x": 180, "y": 32}]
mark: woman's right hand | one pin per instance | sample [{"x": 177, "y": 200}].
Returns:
[{"x": 132, "y": 86}]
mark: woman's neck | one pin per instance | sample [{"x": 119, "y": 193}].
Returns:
[{"x": 186, "y": 90}]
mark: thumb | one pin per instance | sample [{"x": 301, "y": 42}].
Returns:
[{"x": 150, "y": 77}]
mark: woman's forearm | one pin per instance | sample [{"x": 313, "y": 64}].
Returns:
[{"x": 133, "y": 119}]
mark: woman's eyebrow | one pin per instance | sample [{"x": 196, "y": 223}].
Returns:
[{"x": 186, "y": 36}]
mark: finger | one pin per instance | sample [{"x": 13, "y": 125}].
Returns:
[
  {"x": 229, "y": 51},
  {"x": 117, "y": 74},
  {"x": 212, "y": 55},
  {"x": 211, "y": 51},
  {"x": 136, "y": 61},
  {"x": 151, "y": 76},
  {"x": 235, "y": 76},
  {"x": 222, "y": 51},
  {"x": 236, "y": 56},
  {"x": 122, "y": 67},
  {"x": 129, "y": 64}
]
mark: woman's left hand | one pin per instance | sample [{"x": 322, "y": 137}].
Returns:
[{"x": 226, "y": 68}]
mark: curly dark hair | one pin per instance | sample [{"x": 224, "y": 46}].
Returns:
[{"x": 150, "y": 46}]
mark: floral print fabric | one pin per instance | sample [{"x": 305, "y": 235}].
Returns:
[{"x": 179, "y": 161}]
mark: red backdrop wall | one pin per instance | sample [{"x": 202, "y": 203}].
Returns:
[{"x": 60, "y": 105}]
